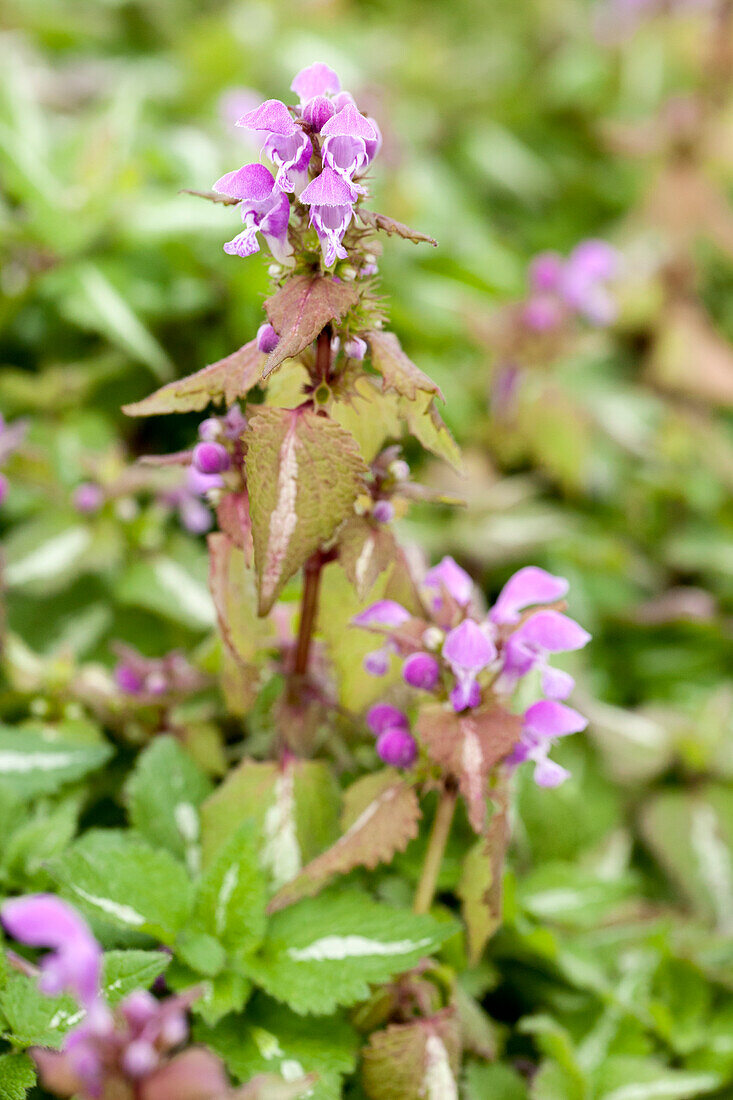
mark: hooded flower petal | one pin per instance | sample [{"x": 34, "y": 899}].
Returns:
[
  {"x": 253, "y": 184},
  {"x": 330, "y": 199},
  {"x": 264, "y": 209},
  {"x": 74, "y": 965},
  {"x": 552, "y": 632},
  {"x": 348, "y": 136},
  {"x": 467, "y": 648},
  {"x": 448, "y": 574},
  {"x": 382, "y": 613},
  {"x": 271, "y": 116},
  {"x": 317, "y": 79},
  {"x": 546, "y": 720},
  {"x": 527, "y": 587}
]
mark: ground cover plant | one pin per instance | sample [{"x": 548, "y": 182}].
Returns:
[{"x": 293, "y": 646}]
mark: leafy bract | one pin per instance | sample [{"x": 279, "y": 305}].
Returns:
[
  {"x": 392, "y": 226},
  {"x": 304, "y": 473},
  {"x": 397, "y": 369},
  {"x": 300, "y": 309},
  {"x": 325, "y": 951},
  {"x": 165, "y": 791},
  {"x": 226, "y": 380},
  {"x": 124, "y": 882},
  {"x": 469, "y": 746},
  {"x": 380, "y": 817},
  {"x": 365, "y": 550},
  {"x": 35, "y": 762}
]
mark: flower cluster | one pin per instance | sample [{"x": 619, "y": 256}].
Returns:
[
  {"x": 11, "y": 437},
  {"x": 155, "y": 680},
  {"x": 460, "y": 656},
  {"x": 107, "y": 1048},
  {"x": 320, "y": 149},
  {"x": 576, "y": 286}
]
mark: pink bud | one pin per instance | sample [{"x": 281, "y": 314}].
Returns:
[
  {"x": 376, "y": 663},
  {"x": 383, "y": 716},
  {"x": 139, "y": 1059},
  {"x": 420, "y": 670},
  {"x": 127, "y": 679},
  {"x": 397, "y": 748},
  {"x": 210, "y": 458},
  {"x": 355, "y": 348},
  {"x": 383, "y": 511},
  {"x": 209, "y": 429},
  {"x": 88, "y": 497},
  {"x": 267, "y": 338},
  {"x": 318, "y": 111}
]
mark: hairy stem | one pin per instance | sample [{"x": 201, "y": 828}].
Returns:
[{"x": 436, "y": 849}]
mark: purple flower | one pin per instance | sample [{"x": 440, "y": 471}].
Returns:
[
  {"x": 234, "y": 422},
  {"x": 194, "y": 515},
  {"x": 348, "y": 136},
  {"x": 542, "y": 313},
  {"x": 448, "y": 575},
  {"x": 420, "y": 670},
  {"x": 355, "y": 348},
  {"x": 210, "y": 458},
  {"x": 545, "y": 272},
  {"x": 528, "y": 586},
  {"x": 286, "y": 143},
  {"x": 529, "y": 646},
  {"x": 209, "y": 429},
  {"x": 468, "y": 650},
  {"x": 317, "y": 112},
  {"x": 88, "y": 497},
  {"x": 376, "y": 663},
  {"x": 75, "y": 962},
  {"x": 317, "y": 80},
  {"x": 267, "y": 338},
  {"x": 383, "y": 716},
  {"x": 383, "y": 511},
  {"x": 331, "y": 201},
  {"x": 199, "y": 483},
  {"x": 387, "y": 613},
  {"x": 543, "y": 723},
  {"x": 128, "y": 679},
  {"x": 589, "y": 267},
  {"x": 397, "y": 747},
  {"x": 264, "y": 208}
]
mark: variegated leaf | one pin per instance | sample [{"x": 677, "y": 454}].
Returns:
[
  {"x": 304, "y": 473},
  {"x": 381, "y": 815},
  {"x": 416, "y": 1061},
  {"x": 365, "y": 550},
  {"x": 225, "y": 380}
]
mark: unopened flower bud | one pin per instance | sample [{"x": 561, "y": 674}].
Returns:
[
  {"x": 209, "y": 429},
  {"x": 420, "y": 670},
  {"x": 367, "y": 270},
  {"x": 210, "y": 458},
  {"x": 383, "y": 511},
  {"x": 156, "y": 683},
  {"x": 267, "y": 338},
  {"x": 88, "y": 497},
  {"x": 139, "y": 1059},
  {"x": 376, "y": 663},
  {"x": 127, "y": 679},
  {"x": 397, "y": 748},
  {"x": 235, "y": 423},
  {"x": 433, "y": 638},
  {"x": 399, "y": 470},
  {"x": 317, "y": 112},
  {"x": 355, "y": 348},
  {"x": 173, "y": 1029},
  {"x": 348, "y": 273},
  {"x": 139, "y": 1008}
]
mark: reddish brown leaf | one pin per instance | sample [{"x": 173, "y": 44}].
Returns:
[
  {"x": 232, "y": 514},
  {"x": 225, "y": 380},
  {"x": 212, "y": 196},
  {"x": 381, "y": 814},
  {"x": 468, "y": 746},
  {"x": 691, "y": 358},
  {"x": 301, "y": 308},
  {"x": 365, "y": 550},
  {"x": 480, "y": 887},
  {"x": 397, "y": 369},
  {"x": 414, "y": 1061}
]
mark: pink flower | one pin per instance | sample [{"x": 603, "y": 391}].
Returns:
[
  {"x": 331, "y": 199},
  {"x": 264, "y": 208},
  {"x": 530, "y": 645},
  {"x": 448, "y": 575},
  {"x": 468, "y": 650},
  {"x": 285, "y": 144},
  {"x": 543, "y": 723},
  {"x": 529, "y": 586}
]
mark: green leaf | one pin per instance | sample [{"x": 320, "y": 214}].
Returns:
[
  {"x": 164, "y": 792},
  {"x": 428, "y": 427},
  {"x": 397, "y": 369},
  {"x": 231, "y": 898},
  {"x": 34, "y": 762},
  {"x": 45, "y": 834},
  {"x": 271, "y": 1039},
  {"x": 119, "y": 879},
  {"x": 301, "y": 309},
  {"x": 304, "y": 473},
  {"x": 225, "y": 380},
  {"x": 571, "y": 895},
  {"x": 32, "y": 1019},
  {"x": 381, "y": 816},
  {"x": 171, "y": 588},
  {"x": 326, "y": 951},
  {"x": 500, "y": 1082},
  {"x": 17, "y": 1075},
  {"x": 625, "y": 1078},
  {"x": 201, "y": 952},
  {"x": 125, "y": 971}
]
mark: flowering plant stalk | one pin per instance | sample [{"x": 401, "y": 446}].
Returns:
[{"x": 305, "y": 472}]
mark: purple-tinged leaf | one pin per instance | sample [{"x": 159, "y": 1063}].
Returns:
[
  {"x": 226, "y": 380},
  {"x": 365, "y": 550},
  {"x": 304, "y": 473},
  {"x": 212, "y": 196},
  {"x": 391, "y": 225},
  {"x": 468, "y": 746},
  {"x": 397, "y": 369},
  {"x": 427, "y": 425},
  {"x": 415, "y": 1061},
  {"x": 480, "y": 886},
  {"x": 301, "y": 308}
]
